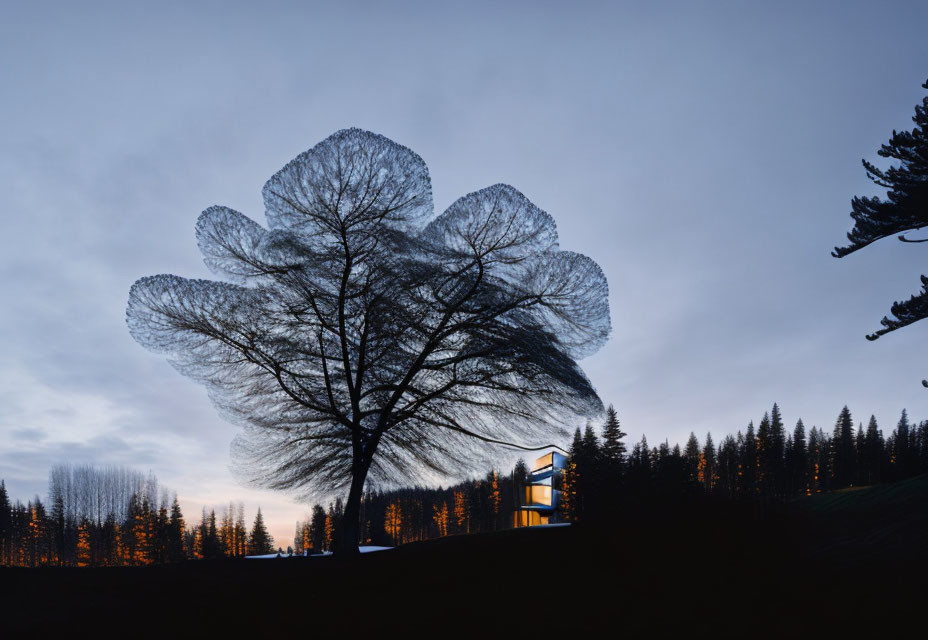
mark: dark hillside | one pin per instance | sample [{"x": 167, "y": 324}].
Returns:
[
  {"x": 849, "y": 560},
  {"x": 870, "y": 524}
]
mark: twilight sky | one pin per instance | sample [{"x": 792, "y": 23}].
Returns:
[{"x": 705, "y": 155}]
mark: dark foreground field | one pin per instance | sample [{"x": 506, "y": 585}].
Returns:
[{"x": 850, "y": 561}]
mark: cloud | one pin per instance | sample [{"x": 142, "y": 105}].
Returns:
[{"x": 29, "y": 435}]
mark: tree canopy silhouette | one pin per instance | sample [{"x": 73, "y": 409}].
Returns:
[
  {"x": 360, "y": 337},
  {"x": 904, "y": 209}
]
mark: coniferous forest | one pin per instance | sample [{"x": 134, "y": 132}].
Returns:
[
  {"x": 117, "y": 517},
  {"x": 114, "y": 517},
  {"x": 785, "y": 525}
]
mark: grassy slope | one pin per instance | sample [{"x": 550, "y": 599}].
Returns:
[
  {"x": 870, "y": 525},
  {"x": 851, "y": 559}
]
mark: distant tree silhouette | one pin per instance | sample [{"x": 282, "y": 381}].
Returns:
[
  {"x": 260, "y": 541},
  {"x": 6, "y": 526},
  {"x": 902, "y": 448},
  {"x": 776, "y": 453},
  {"x": 728, "y": 468},
  {"x": 872, "y": 453},
  {"x": 613, "y": 448},
  {"x": 797, "y": 462},
  {"x": 175, "y": 537},
  {"x": 707, "y": 465},
  {"x": 317, "y": 529},
  {"x": 639, "y": 481},
  {"x": 691, "y": 455},
  {"x": 749, "y": 464},
  {"x": 572, "y": 503},
  {"x": 843, "y": 451}
]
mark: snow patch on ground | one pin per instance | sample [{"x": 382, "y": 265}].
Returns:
[{"x": 364, "y": 549}]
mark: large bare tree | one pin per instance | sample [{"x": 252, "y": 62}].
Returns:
[{"x": 361, "y": 339}]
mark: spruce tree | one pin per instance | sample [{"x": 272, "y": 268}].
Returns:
[
  {"x": 691, "y": 458},
  {"x": 749, "y": 463},
  {"x": 901, "y": 451},
  {"x": 873, "y": 453},
  {"x": 843, "y": 451},
  {"x": 707, "y": 462},
  {"x": 728, "y": 467},
  {"x": 317, "y": 529},
  {"x": 860, "y": 446},
  {"x": 591, "y": 468},
  {"x": 212, "y": 545},
  {"x": 764, "y": 468},
  {"x": 814, "y": 472},
  {"x": 613, "y": 448},
  {"x": 776, "y": 452},
  {"x": 639, "y": 468},
  {"x": 799, "y": 463},
  {"x": 260, "y": 541},
  {"x": 573, "y": 478},
  {"x": 6, "y": 527},
  {"x": 175, "y": 536},
  {"x": 590, "y": 444}
]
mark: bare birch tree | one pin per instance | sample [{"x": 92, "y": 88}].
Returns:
[{"x": 361, "y": 339}]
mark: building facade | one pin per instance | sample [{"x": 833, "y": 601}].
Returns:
[{"x": 541, "y": 495}]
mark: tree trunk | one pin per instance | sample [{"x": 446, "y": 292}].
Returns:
[{"x": 349, "y": 528}]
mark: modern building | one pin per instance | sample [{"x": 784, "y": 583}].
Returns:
[{"x": 541, "y": 496}]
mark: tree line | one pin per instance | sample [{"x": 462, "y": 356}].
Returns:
[
  {"x": 765, "y": 464},
  {"x": 418, "y": 513},
  {"x": 118, "y": 517},
  {"x": 115, "y": 516}
]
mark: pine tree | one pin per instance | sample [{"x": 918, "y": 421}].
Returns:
[
  {"x": 691, "y": 458},
  {"x": 6, "y": 527},
  {"x": 212, "y": 545},
  {"x": 494, "y": 497},
  {"x": 613, "y": 448},
  {"x": 843, "y": 451},
  {"x": 260, "y": 541},
  {"x": 728, "y": 468},
  {"x": 901, "y": 449},
  {"x": 590, "y": 465},
  {"x": 330, "y": 522},
  {"x": 707, "y": 465},
  {"x": 873, "y": 453},
  {"x": 775, "y": 453},
  {"x": 175, "y": 536},
  {"x": 161, "y": 535},
  {"x": 799, "y": 462},
  {"x": 318, "y": 529},
  {"x": 241, "y": 532},
  {"x": 519, "y": 480},
  {"x": 336, "y": 511},
  {"x": 764, "y": 472},
  {"x": 590, "y": 445},
  {"x": 573, "y": 477},
  {"x": 817, "y": 461},
  {"x": 904, "y": 209},
  {"x": 749, "y": 462}
]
